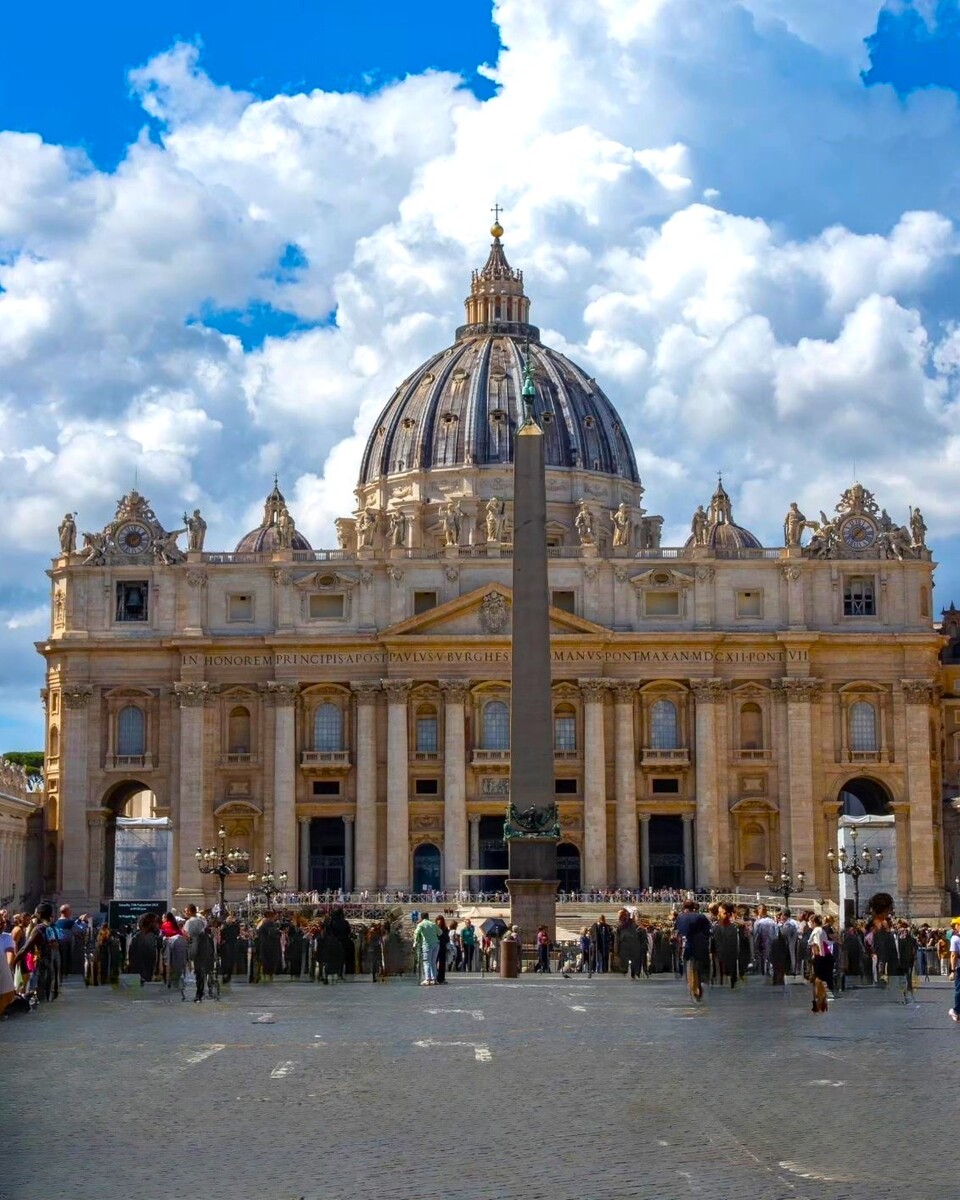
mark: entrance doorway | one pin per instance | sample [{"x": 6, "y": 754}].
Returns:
[
  {"x": 327, "y": 854},
  {"x": 666, "y": 852},
  {"x": 568, "y": 867},
  {"x": 140, "y": 864},
  {"x": 494, "y": 855},
  {"x": 865, "y": 811},
  {"x": 426, "y": 868}
]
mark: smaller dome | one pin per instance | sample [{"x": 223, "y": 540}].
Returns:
[
  {"x": 718, "y": 530},
  {"x": 277, "y": 532}
]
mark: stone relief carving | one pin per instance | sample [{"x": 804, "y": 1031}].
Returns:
[
  {"x": 709, "y": 691},
  {"x": 396, "y": 574},
  {"x": 197, "y": 579},
  {"x": 397, "y": 690},
  {"x": 590, "y": 573},
  {"x": 279, "y": 695},
  {"x": 365, "y": 692},
  {"x": 495, "y": 785},
  {"x": 366, "y": 578},
  {"x": 593, "y": 690},
  {"x": 791, "y": 572},
  {"x": 76, "y": 695},
  {"x": 919, "y": 691},
  {"x": 621, "y": 574},
  {"x": 455, "y": 691},
  {"x": 195, "y": 695},
  {"x": 706, "y": 574},
  {"x": 452, "y": 573},
  {"x": 282, "y": 577},
  {"x": 802, "y": 691},
  {"x": 494, "y": 613}
]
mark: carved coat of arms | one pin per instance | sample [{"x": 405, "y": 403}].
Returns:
[{"x": 493, "y": 613}]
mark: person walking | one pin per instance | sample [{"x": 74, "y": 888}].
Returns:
[
  {"x": 443, "y": 949},
  {"x": 693, "y": 928},
  {"x": 468, "y": 945},
  {"x": 603, "y": 944},
  {"x": 955, "y": 968},
  {"x": 726, "y": 945},
  {"x": 821, "y": 951},
  {"x": 543, "y": 951},
  {"x": 426, "y": 943}
]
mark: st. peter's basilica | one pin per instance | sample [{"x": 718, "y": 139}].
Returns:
[{"x": 346, "y": 711}]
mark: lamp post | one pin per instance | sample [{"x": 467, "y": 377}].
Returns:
[
  {"x": 266, "y": 884},
  {"x": 783, "y": 883},
  {"x": 221, "y": 862},
  {"x": 854, "y": 865}
]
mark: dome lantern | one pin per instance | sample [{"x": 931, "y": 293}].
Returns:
[{"x": 497, "y": 302}]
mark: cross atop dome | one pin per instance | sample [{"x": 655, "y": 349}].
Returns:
[{"x": 497, "y": 302}]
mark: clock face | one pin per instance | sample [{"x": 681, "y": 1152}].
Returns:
[
  {"x": 859, "y": 533},
  {"x": 133, "y": 538}
]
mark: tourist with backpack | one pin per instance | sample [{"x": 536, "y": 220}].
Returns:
[{"x": 41, "y": 955}]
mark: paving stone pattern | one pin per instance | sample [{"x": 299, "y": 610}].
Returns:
[{"x": 574, "y": 1090}]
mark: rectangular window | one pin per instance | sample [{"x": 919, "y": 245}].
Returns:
[
  {"x": 565, "y": 601},
  {"x": 565, "y": 733},
  {"x": 427, "y": 741},
  {"x": 240, "y": 607},
  {"x": 423, "y": 602},
  {"x": 859, "y": 599},
  {"x": 750, "y": 604},
  {"x": 661, "y": 604},
  {"x": 326, "y": 787},
  {"x": 132, "y": 598},
  {"x": 326, "y": 606},
  {"x": 665, "y": 787},
  {"x": 565, "y": 787},
  {"x": 426, "y": 787}
]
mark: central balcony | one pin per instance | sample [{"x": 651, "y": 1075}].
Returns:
[
  {"x": 491, "y": 758},
  {"x": 129, "y": 762},
  {"x": 325, "y": 761},
  {"x": 654, "y": 757}
]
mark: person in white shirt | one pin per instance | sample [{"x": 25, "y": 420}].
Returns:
[
  {"x": 821, "y": 960},
  {"x": 955, "y": 968}
]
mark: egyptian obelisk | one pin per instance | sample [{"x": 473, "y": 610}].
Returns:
[{"x": 532, "y": 834}]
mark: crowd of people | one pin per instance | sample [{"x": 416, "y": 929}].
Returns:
[{"x": 717, "y": 943}]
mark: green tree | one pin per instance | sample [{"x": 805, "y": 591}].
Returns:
[{"x": 30, "y": 760}]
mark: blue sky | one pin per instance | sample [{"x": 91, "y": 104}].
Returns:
[{"x": 228, "y": 231}]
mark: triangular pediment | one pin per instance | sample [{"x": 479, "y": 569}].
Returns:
[{"x": 484, "y": 612}]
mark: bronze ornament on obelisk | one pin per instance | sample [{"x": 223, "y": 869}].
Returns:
[{"x": 531, "y": 829}]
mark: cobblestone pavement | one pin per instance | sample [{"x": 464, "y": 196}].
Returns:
[{"x": 574, "y": 1090}]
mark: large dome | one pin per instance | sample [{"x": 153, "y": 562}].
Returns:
[{"x": 462, "y": 406}]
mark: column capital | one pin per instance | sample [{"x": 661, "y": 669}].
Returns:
[
  {"x": 279, "y": 695},
  {"x": 623, "y": 692},
  {"x": 645, "y": 818},
  {"x": 196, "y": 579},
  {"x": 900, "y": 808},
  {"x": 304, "y": 820},
  {"x": 195, "y": 695},
  {"x": 365, "y": 692},
  {"x": 397, "y": 690},
  {"x": 919, "y": 691},
  {"x": 474, "y": 820},
  {"x": 709, "y": 691},
  {"x": 347, "y": 819},
  {"x": 455, "y": 691},
  {"x": 76, "y": 695},
  {"x": 593, "y": 690},
  {"x": 799, "y": 691},
  {"x": 687, "y": 818}
]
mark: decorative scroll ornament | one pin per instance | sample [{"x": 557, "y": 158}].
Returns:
[
  {"x": 397, "y": 690},
  {"x": 77, "y": 695},
  {"x": 709, "y": 691},
  {"x": 790, "y": 571},
  {"x": 594, "y": 689},
  {"x": 197, "y": 579},
  {"x": 537, "y": 821},
  {"x": 455, "y": 690},
  {"x": 365, "y": 692},
  {"x": 799, "y": 691},
  {"x": 494, "y": 614},
  {"x": 857, "y": 500},
  {"x": 279, "y": 695},
  {"x": 195, "y": 695}
]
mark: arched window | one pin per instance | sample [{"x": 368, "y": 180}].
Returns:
[
  {"x": 427, "y": 734},
  {"x": 565, "y": 728},
  {"x": 328, "y": 727},
  {"x": 863, "y": 727},
  {"x": 751, "y": 727},
  {"x": 664, "y": 731},
  {"x": 238, "y": 730},
  {"x": 496, "y": 726},
  {"x": 131, "y": 731}
]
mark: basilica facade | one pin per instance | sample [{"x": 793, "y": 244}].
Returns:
[{"x": 346, "y": 711}]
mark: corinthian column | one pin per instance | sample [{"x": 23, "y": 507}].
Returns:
[
  {"x": 365, "y": 828},
  {"x": 398, "y": 807},
  {"x": 800, "y": 694},
  {"x": 594, "y": 785},
  {"x": 72, "y": 838},
  {"x": 925, "y": 872},
  {"x": 454, "y": 782},
  {"x": 282, "y": 698},
  {"x": 627, "y": 843},
  {"x": 193, "y": 699},
  {"x": 713, "y": 840}
]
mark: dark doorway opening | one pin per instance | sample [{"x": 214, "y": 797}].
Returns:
[
  {"x": 426, "y": 868},
  {"x": 666, "y": 852},
  {"x": 568, "y": 867},
  {"x": 864, "y": 798},
  {"x": 493, "y": 854},
  {"x": 327, "y": 854}
]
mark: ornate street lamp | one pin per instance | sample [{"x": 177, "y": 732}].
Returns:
[
  {"x": 853, "y": 865},
  {"x": 783, "y": 883},
  {"x": 267, "y": 884},
  {"x": 221, "y": 862}
]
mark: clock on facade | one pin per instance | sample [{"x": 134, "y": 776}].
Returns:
[
  {"x": 858, "y": 533},
  {"x": 133, "y": 538}
]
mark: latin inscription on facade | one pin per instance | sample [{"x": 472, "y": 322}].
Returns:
[{"x": 384, "y": 658}]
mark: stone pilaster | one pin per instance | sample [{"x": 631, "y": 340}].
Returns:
[
  {"x": 800, "y": 695},
  {"x": 925, "y": 871},
  {"x": 348, "y": 854},
  {"x": 713, "y": 822},
  {"x": 196, "y": 594},
  {"x": 97, "y": 834},
  {"x": 304, "y": 880},
  {"x": 398, "y": 807},
  {"x": 454, "y": 782},
  {"x": 902, "y": 823},
  {"x": 628, "y": 869},
  {"x": 72, "y": 840},
  {"x": 645, "y": 849},
  {"x": 595, "y": 874},
  {"x": 285, "y": 598},
  {"x": 365, "y": 839},
  {"x": 282, "y": 698},
  {"x": 474, "y": 851},
  {"x": 688, "y": 876},
  {"x": 194, "y": 699}
]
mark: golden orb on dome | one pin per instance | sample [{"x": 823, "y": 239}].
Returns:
[{"x": 496, "y": 229}]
